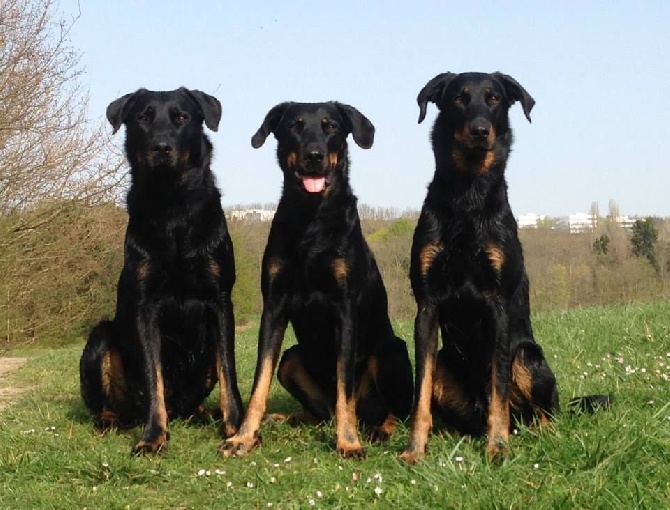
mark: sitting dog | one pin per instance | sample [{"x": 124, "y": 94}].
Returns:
[
  {"x": 319, "y": 274},
  {"x": 172, "y": 337},
  {"x": 468, "y": 276}
]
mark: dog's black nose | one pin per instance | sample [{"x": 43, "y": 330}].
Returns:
[
  {"x": 480, "y": 131},
  {"x": 314, "y": 156},
  {"x": 162, "y": 147}
]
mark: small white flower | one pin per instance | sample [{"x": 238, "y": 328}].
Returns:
[
  {"x": 378, "y": 491},
  {"x": 413, "y": 482},
  {"x": 273, "y": 479},
  {"x": 269, "y": 504},
  {"x": 201, "y": 472},
  {"x": 319, "y": 494},
  {"x": 229, "y": 484},
  {"x": 219, "y": 471},
  {"x": 253, "y": 463},
  {"x": 288, "y": 459},
  {"x": 536, "y": 466},
  {"x": 311, "y": 502},
  {"x": 250, "y": 485},
  {"x": 458, "y": 459}
]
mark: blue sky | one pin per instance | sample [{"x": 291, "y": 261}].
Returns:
[{"x": 598, "y": 71}]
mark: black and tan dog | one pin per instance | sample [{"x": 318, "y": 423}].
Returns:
[
  {"x": 173, "y": 334},
  {"x": 319, "y": 274},
  {"x": 468, "y": 276}
]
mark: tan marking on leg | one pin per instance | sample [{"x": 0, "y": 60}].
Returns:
[
  {"x": 340, "y": 269},
  {"x": 522, "y": 381},
  {"x": 108, "y": 418},
  {"x": 224, "y": 399},
  {"x": 422, "y": 420},
  {"x": 160, "y": 392},
  {"x": 293, "y": 371},
  {"x": 498, "y": 420},
  {"x": 496, "y": 256},
  {"x": 347, "y": 441},
  {"x": 247, "y": 438},
  {"x": 447, "y": 392},
  {"x": 427, "y": 256},
  {"x": 259, "y": 399},
  {"x": 291, "y": 159},
  {"x": 105, "y": 373},
  {"x": 521, "y": 390},
  {"x": 113, "y": 383}
]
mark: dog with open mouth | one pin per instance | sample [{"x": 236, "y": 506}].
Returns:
[{"x": 319, "y": 274}]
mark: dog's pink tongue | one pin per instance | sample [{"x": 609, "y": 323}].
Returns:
[{"x": 314, "y": 184}]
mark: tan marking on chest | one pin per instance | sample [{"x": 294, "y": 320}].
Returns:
[
  {"x": 340, "y": 269},
  {"x": 427, "y": 256},
  {"x": 496, "y": 256},
  {"x": 273, "y": 268}
]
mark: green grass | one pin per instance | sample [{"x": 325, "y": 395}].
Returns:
[{"x": 50, "y": 455}]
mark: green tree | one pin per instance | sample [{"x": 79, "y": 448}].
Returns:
[
  {"x": 601, "y": 244},
  {"x": 643, "y": 240}
]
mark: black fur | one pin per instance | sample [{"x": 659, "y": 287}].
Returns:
[
  {"x": 172, "y": 336},
  {"x": 319, "y": 274}
]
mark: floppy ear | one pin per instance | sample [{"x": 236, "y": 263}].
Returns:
[
  {"x": 358, "y": 125},
  {"x": 117, "y": 111},
  {"x": 433, "y": 92},
  {"x": 269, "y": 125},
  {"x": 515, "y": 92},
  {"x": 209, "y": 105}
]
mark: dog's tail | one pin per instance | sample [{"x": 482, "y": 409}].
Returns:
[{"x": 589, "y": 404}]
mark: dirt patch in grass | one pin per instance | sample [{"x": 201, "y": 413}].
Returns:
[{"x": 8, "y": 392}]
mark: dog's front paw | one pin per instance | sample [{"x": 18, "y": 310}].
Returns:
[
  {"x": 239, "y": 446},
  {"x": 497, "y": 450},
  {"x": 412, "y": 455},
  {"x": 351, "y": 450},
  {"x": 153, "y": 445}
]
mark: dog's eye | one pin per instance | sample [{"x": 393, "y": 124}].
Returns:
[
  {"x": 494, "y": 99},
  {"x": 181, "y": 117},
  {"x": 141, "y": 117},
  {"x": 330, "y": 126},
  {"x": 459, "y": 99},
  {"x": 297, "y": 124}
]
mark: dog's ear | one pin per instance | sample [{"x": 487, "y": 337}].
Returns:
[
  {"x": 433, "y": 92},
  {"x": 117, "y": 111},
  {"x": 270, "y": 123},
  {"x": 358, "y": 125},
  {"x": 515, "y": 92},
  {"x": 209, "y": 105}
]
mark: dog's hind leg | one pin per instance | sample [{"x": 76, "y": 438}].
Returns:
[
  {"x": 533, "y": 390},
  {"x": 386, "y": 389},
  {"x": 295, "y": 378},
  {"x": 102, "y": 381}
]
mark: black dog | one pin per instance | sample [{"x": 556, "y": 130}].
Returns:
[
  {"x": 468, "y": 276},
  {"x": 173, "y": 334},
  {"x": 319, "y": 274}
]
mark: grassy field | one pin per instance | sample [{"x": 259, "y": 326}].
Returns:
[{"x": 50, "y": 455}]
